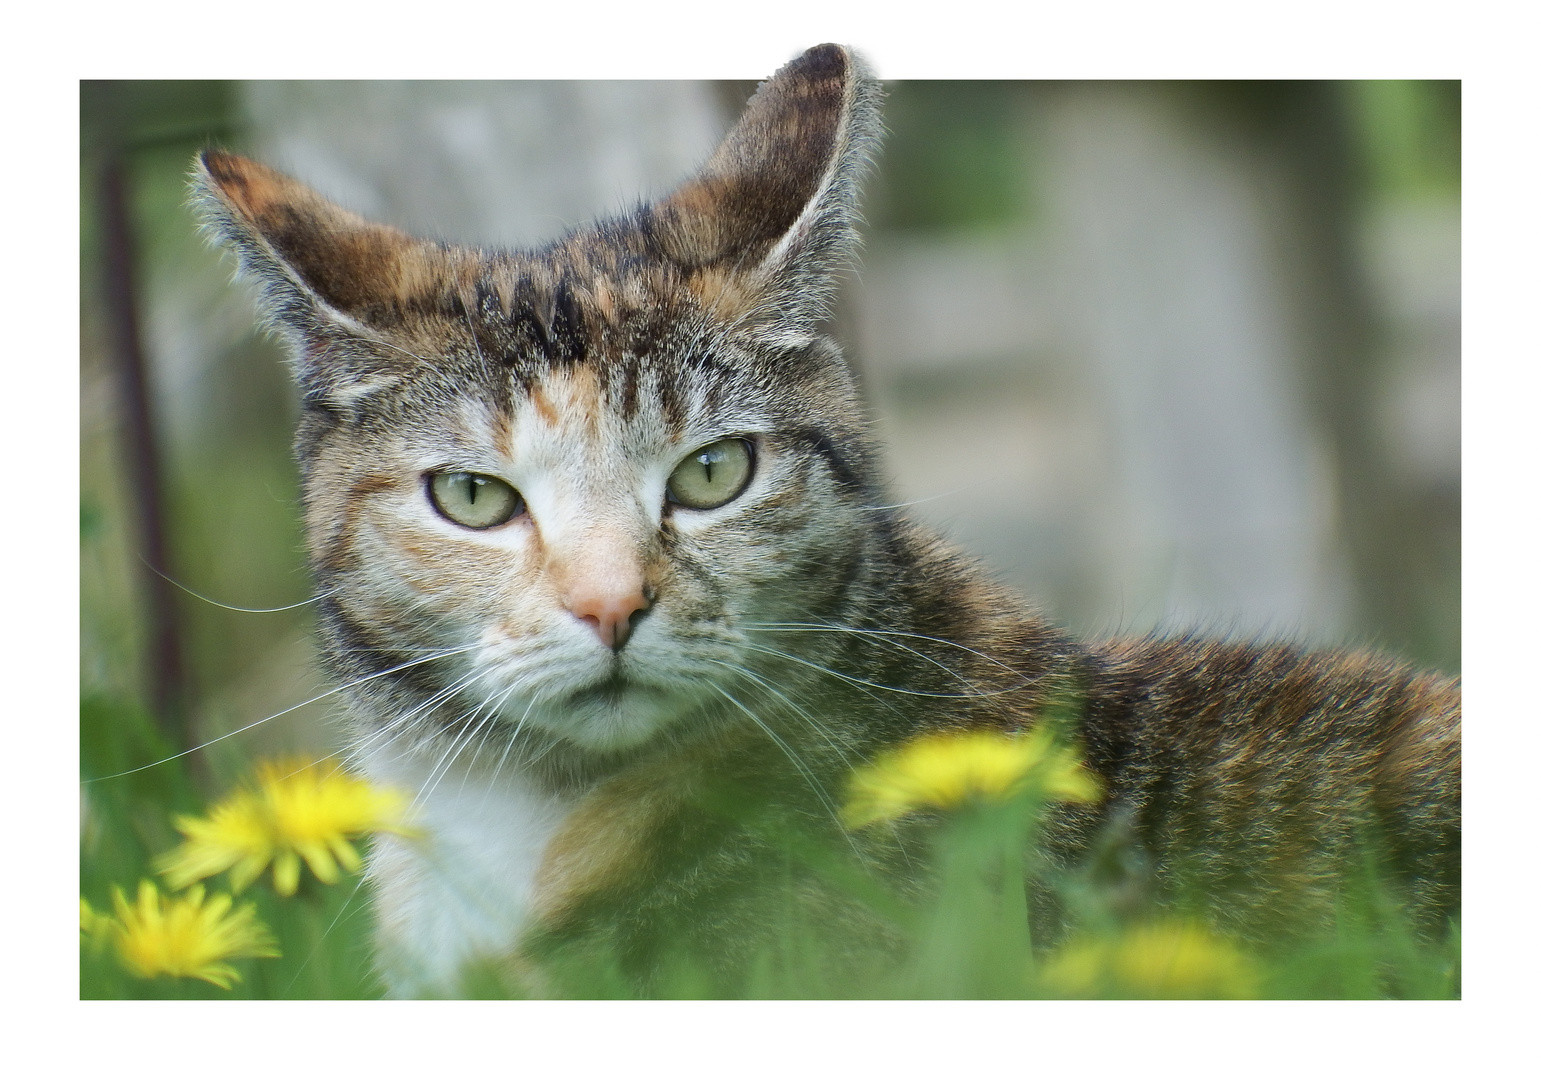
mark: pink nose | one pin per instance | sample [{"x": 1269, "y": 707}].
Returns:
[{"x": 609, "y": 614}]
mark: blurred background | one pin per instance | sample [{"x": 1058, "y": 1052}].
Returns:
[{"x": 1166, "y": 356}]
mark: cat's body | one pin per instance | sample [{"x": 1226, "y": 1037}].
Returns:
[{"x": 600, "y": 535}]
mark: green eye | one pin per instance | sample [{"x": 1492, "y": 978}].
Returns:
[
  {"x": 473, "y": 500},
  {"x": 713, "y": 475}
]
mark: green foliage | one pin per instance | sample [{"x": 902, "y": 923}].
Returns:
[
  {"x": 964, "y": 935},
  {"x": 967, "y": 936},
  {"x": 1409, "y": 135},
  {"x": 125, "y": 815},
  {"x": 127, "y": 821}
]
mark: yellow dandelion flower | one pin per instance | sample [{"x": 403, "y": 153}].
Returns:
[
  {"x": 185, "y": 936},
  {"x": 948, "y": 769},
  {"x": 1161, "y": 960},
  {"x": 296, "y": 811}
]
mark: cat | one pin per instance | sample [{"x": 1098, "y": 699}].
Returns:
[{"x": 599, "y": 530}]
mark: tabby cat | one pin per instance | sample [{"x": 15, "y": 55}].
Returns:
[{"x": 599, "y": 530}]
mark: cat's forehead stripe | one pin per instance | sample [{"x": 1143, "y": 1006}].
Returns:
[
  {"x": 542, "y": 405},
  {"x": 574, "y": 394},
  {"x": 371, "y": 485},
  {"x": 587, "y": 400}
]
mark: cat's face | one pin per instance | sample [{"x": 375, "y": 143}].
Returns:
[
  {"x": 581, "y": 478},
  {"x": 604, "y": 536}
]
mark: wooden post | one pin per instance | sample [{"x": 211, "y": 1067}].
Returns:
[{"x": 163, "y": 669}]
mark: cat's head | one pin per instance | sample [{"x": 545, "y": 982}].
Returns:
[{"x": 595, "y": 467}]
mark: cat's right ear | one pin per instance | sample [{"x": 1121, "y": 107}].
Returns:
[
  {"x": 325, "y": 274},
  {"x": 764, "y": 227}
]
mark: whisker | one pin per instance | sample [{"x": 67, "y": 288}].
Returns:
[
  {"x": 475, "y": 341},
  {"x": 835, "y": 629},
  {"x": 400, "y": 725},
  {"x": 233, "y": 607},
  {"x": 308, "y": 765},
  {"x": 360, "y": 650},
  {"x": 928, "y": 498},
  {"x": 447, "y": 759},
  {"x": 491, "y": 705},
  {"x": 900, "y": 647},
  {"x": 513, "y": 738},
  {"x": 806, "y": 716},
  {"x": 346, "y": 909},
  {"x": 853, "y": 680},
  {"x": 550, "y": 746},
  {"x": 398, "y": 348},
  {"x": 797, "y": 762},
  {"x": 285, "y": 712},
  {"x": 442, "y": 767}
]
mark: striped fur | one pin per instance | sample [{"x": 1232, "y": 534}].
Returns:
[{"x": 776, "y": 640}]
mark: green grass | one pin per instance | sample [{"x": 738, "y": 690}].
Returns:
[{"x": 967, "y": 938}]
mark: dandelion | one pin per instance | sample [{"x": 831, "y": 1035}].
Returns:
[
  {"x": 1161, "y": 960},
  {"x": 946, "y": 770},
  {"x": 296, "y": 811},
  {"x": 182, "y": 936}
]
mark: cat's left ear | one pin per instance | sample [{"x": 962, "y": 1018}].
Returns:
[{"x": 763, "y": 228}]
